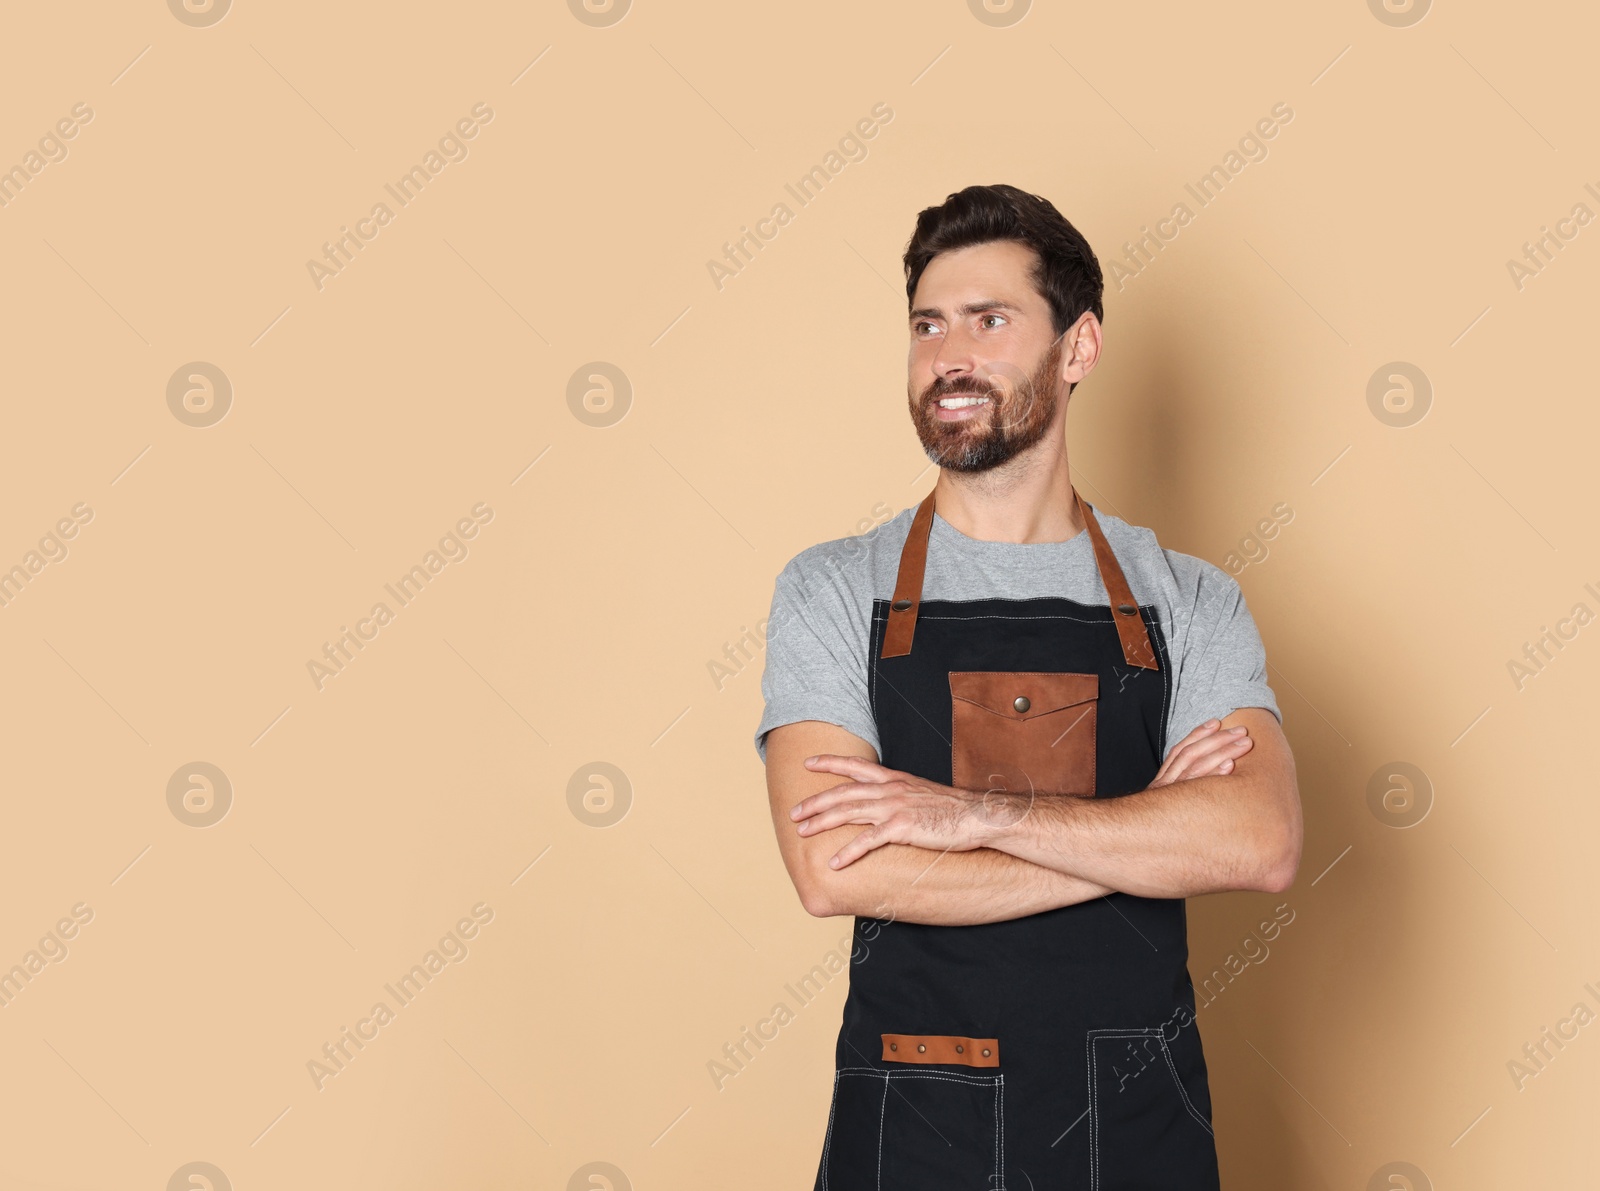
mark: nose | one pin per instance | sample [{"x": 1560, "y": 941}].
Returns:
[{"x": 954, "y": 359}]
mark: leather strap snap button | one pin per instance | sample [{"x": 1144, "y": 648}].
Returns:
[
  {"x": 901, "y": 605},
  {"x": 1126, "y": 609}
]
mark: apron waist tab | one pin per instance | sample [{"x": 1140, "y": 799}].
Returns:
[{"x": 941, "y": 1048}]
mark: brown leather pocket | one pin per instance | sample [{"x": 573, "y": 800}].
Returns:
[{"x": 1023, "y": 731}]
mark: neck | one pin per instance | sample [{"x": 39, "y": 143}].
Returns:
[{"x": 1028, "y": 499}]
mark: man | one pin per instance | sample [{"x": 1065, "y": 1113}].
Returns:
[{"x": 967, "y": 727}]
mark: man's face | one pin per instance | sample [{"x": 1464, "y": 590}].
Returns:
[{"x": 982, "y": 342}]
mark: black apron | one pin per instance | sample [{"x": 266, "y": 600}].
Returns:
[{"x": 1057, "y": 1050}]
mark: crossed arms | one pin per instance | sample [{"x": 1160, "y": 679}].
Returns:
[{"x": 860, "y": 839}]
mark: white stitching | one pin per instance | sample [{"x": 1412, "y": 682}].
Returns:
[
  {"x": 827, "y": 1140},
  {"x": 1000, "y": 1132},
  {"x": 998, "y": 599},
  {"x": 1094, "y": 1119},
  {"x": 949, "y": 1076},
  {"x": 1035, "y": 674},
  {"x": 1156, "y": 612},
  {"x": 1006, "y": 616},
  {"x": 1094, "y": 1098},
  {"x": 1094, "y": 1115},
  {"x": 1182, "y": 1091},
  {"x": 995, "y": 1176},
  {"x": 882, "y": 1110},
  {"x": 875, "y": 648},
  {"x": 958, "y": 1077}
]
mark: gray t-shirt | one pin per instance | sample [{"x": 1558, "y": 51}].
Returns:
[{"x": 817, "y": 634}]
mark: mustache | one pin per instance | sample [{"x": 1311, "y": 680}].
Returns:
[{"x": 967, "y": 386}]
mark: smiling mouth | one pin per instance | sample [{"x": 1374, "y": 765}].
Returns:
[{"x": 959, "y": 407}]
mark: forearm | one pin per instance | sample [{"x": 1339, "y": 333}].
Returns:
[
  {"x": 910, "y": 884},
  {"x": 1202, "y": 835}
]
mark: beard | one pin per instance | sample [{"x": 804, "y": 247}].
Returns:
[{"x": 1021, "y": 408}]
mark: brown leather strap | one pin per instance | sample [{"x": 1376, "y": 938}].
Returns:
[
  {"x": 941, "y": 1048},
  {"x": 1136, "y": 649},
  {"x": 897, "y": 634},
  {"x": 908, "y": 585}
]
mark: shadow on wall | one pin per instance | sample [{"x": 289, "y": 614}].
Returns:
[{"x": 1258, "y": 961}]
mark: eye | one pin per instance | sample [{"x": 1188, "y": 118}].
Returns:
[
  {"x": 1001, "y": 317},
  {"x": 916, "y": 328}
]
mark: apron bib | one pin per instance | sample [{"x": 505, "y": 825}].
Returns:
[{"x": 1058, "y": 1050}]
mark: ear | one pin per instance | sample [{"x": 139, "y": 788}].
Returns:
[{"x": 1081, "y": 348}]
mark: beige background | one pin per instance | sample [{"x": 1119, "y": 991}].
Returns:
[{"x": 366, "y": 815}]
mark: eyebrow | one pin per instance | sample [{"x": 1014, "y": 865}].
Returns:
[{"x": 979, "y": 307}]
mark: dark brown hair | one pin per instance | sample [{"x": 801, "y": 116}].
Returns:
[{"x": 1066, "y": 274}]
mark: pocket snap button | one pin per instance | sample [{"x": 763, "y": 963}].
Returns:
[{"x": 1021, "y": 703}]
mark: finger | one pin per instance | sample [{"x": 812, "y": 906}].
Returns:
[
  {"x": 859, "y": 768},
  {"x": 1199, "y": 764},
  {"x": 849, "y": 812},
  {"x": 1200, "y": 732},
  {"x": 872, "y": 837},
  {"x": 832, "y": 796},
  {"x": 1207, "y": 766},
  {"x": 1215, "y": 742},
  {"x": 1225, "y": 765}
]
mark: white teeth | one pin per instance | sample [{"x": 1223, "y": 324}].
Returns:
[{"x": 961, "y": 402}]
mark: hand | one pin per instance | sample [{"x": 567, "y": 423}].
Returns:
[
  {"x": 1208, "y": 750},
  {"x": 899, "y": 808}
]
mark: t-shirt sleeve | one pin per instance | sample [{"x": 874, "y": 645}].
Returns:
[
  {"x": 1223, "y": 666},
  {"x": 816, "y": 647}
]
